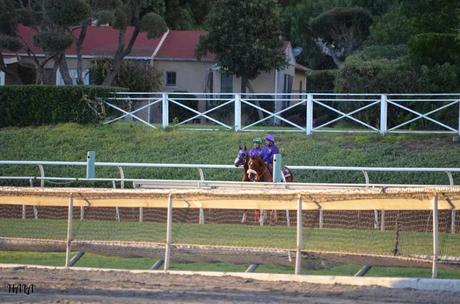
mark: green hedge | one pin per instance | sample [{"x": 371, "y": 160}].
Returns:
[
  {"x": 434, "y": 48},
  {"x": 321, "y": 80},
  {"x": 43, "y": 104}
]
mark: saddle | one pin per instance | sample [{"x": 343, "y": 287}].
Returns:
[{"x": 285, "y": 170}]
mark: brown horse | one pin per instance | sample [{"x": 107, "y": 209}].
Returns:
[{"x": 256, "y": 170}]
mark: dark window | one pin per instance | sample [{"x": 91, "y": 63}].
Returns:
[
  {"x": 170, "y": 79},
  {"x": 226, "y": 83}
]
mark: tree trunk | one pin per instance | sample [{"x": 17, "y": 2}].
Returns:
[
  {"x": 64, "y": 70},
  {"x": 78, "y": 45},
  {"x": 120, "y": 54}
]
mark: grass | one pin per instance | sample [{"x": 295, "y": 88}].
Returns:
[
  {"x": 327, "y": 239},
  {"x": 92, "y": 260},
  {"x": 128, "y": 142}
]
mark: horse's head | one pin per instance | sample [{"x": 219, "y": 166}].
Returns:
[
  {"x": 256, "y": 168},
  {"x": 242, "y": 156}
]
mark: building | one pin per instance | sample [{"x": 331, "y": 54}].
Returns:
[{"x": 173, "y": 55}]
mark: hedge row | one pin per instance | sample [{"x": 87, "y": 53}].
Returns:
[{"x": 41, "y": 104}]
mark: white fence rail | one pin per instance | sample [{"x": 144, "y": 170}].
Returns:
[
  {"x": 296, "y": 112},
  {"x": 199, "y": 167}
]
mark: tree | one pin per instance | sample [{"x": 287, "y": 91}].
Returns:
[
  {"x": 341, "y": 31},
  {"x": 393, "y": 28},
  {"x": 136, "y": 76},
  {"x": 435, "y": 16},
  {"x": 52, "y": 22},
  {"x": 131, "y": 13},
  {"x": 296, "y": 27},
  {"x": 8, "y": 39},
  {"x": 245, "y": 37}
]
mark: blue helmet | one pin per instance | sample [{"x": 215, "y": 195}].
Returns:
[{"x": 270, "y": 137}]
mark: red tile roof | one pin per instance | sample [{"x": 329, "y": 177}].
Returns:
[
  {"x": 103, "y": 41},
  {"x": 181, "y": 45}
]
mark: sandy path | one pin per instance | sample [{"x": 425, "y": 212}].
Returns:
[{"x": 62, "y": 286}]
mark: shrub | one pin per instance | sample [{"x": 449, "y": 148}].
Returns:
[
  {"x": 321, "y": 80},
  {"x": 434, "y": 48},
  {"x": 136, "y": 76},
  {"x": 40, "y": 105},
  {"x": 376, "y": 76},
  {"x": 439, "y": 78},
  {"x": 391, "y": 52}
]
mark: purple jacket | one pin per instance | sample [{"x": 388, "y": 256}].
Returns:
[
  {"x": 269, "y": 152},
  {"x": 257, "y": 152}
]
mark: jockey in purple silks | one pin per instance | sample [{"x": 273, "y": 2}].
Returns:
[
  {"x": 270, "y": 149},
  {"x": 257, "y": 149}
]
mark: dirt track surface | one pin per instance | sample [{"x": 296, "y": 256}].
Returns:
[{"x": 68, "y": 286}]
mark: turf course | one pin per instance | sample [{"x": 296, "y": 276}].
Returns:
[{"x": 344, "y": 240}]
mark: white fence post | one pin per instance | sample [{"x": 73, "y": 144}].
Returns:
[
  {"x": 434, "y": 272},
  {"x": 383, "y": 114},
  {"x": 298, "y": 255},
  {"x": 452, "y": 221},
  {"x": 321, "y": 218},
  {"x": 382, "y": 221},
  {"x": 168, "y": 233},
  {"x": 309, "y": 118},
  {"x": 69, "y": 231},
  {"x": 237, "y": 112},
  {"x": 165, "y": 110},
  {"x": 459, "y": 117}
]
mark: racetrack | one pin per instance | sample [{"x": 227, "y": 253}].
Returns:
[{"x": 93, "y": 286}]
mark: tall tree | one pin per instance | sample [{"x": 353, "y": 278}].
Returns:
[
  {"x": 341, "y": 31},
  {"x": 245, "y": 36},
  {"x": 132, "y": 13}
]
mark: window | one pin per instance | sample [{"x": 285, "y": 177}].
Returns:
[
  {"x": 171, "y": 79},
  {"x": 2, "y": 78},
  {"x": 226, "y": 83}
]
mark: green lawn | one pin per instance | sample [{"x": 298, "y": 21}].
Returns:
[
  {"x": 92, "y": 260},
  {"x": 128, "y": 142},
  {"x": 344, "y": 240}
]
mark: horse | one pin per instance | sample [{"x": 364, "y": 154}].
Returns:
[{"x": 257, "y": 171}]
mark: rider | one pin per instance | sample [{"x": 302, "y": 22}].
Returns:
[
  {"x": 257, "y": 149},
  {"x": 270, "y": 149}
]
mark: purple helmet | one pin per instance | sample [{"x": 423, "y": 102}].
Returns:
[{"x": 270, "y": 137}]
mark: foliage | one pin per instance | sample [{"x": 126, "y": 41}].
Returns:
[
  {"x": 341, "y": 31},
  {"x": 251, "y": 47},
  {"x": 439, "y": 78},
  {"x": 10, "y": 43},
  {"x": 376, "y": 76},
  {"x": 391, "y": 52},
  {"x": 137, "y": 15},
  {"x": 321, "y": 80},
  {"x": 393, "y": 28},
  {"x": 434, "y": 48},
  {"x": 136, "y": 76},
  {"x": 38, "y": 105},
  {"x": 440, "y": 16},
  {"x": 296, "y": 28}
]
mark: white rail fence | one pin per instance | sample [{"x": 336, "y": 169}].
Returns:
[
  {"x": 296, "y": 112},
  {"x": 202, "y": 182}
]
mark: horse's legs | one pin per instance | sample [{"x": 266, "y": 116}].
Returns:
[
  {"x": 244, "y": 218},
  {"x": 256, "y": 215},
  {"x": 274, "y": 217}
]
